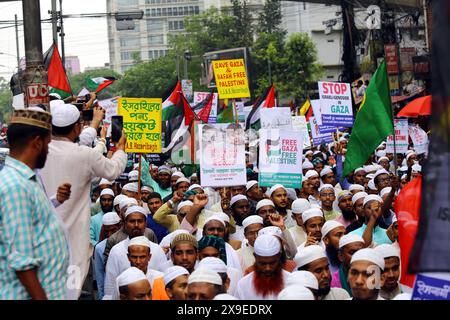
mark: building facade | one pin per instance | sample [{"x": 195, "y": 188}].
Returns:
[{"x": 72, "y": 64}]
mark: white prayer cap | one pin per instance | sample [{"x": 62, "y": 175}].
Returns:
[
  {"x": 356, "y": 187},
  {"x": 193, "y": 175},
  {"x": 264, "y": 202},
  {"x": 205, "y": 275},
  {"x": 372, "y": 197},
  {"x": 133, "y": 175},
  {"x": 237, "y": 198},
  {"x": 104, "y": 181},
  {"x": 127, "y": 201},
  {"x": 135, "y": 209},
  {"x": 358, "y": 196},
  {"x": 385, "y": 191},
  {"x": 167, "y": 240},
  {"x": 371, "y": 185},
  {"x": 342, "y": 194},
  {"x": 215, "y": 218},
  {"x": 388, "y": 250},
  {"x": 64, "y": 115},
  {"x": 308, "y": 152},
  {"x": 383, "y": 158},
  {"x": 252, "y": 220},
  {"x": 325, "y": 171},
  {"x": 225, "y": 296},
  {"x": 368, "y": 254},
  {"x": 182, "y": 179},
  {"x": 404, "y": 163},
  {"x": 310, "y": 174},
  {"x": 178, "y": 174},
  {"x": 132, "y": 187},
  {"x": 311, "y": 213},
  {"x": 56, "y": 102},
  {"x": 139, "y": 241},
  {"x": 303, "y": 278},
  {"x": 174, "y": 272},
  {"x": 360, "y": 169},
  {"x": 291, "y": 193},
  {"x": 145, "y": 188},
  {"x": 110, "y": 218},
  {"x": 308, "y": 254},
  {"x": 380, "y": 153},
  {"x": 403, "y": 168},
  {"x": 326, "y": 186},
  {"x": 295, "y": 292},
  {"x": 349, "y": 238},
  {"x": 416, "y": 168},
  {"x": 250, "y": 184},
  {"x": 409, "y": 151},
  {"x": 223, "y": 216},
  {"x": 370, "y": 176},
  {"x": 404, "y": 177},
  {"x": 342, "y": 139},
  {"x": 165, "y": 169},
  {"x": 275, "y": 187},
  {"x": 381, "y": 171},
  {"x": 107, "y": 191},
  {"x": 267, "y": 245},
  {"x": 409, "y": 155},
  {"x": 195, "y": 186},
  {"x": 307, "y": 165},
  {"x": 271, "y": 230},
  {"x": 402, "y": 296},
  {"x": 330, "y": 225},
  {"x": 369, "y": 168},
  {"x": 300, "y": 205},
  {"x": 184, "y": 204},
  {"x": 129, "y": 276},
  {"x": 214, "y": 264}
]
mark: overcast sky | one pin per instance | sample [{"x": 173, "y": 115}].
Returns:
[{"x": 86, "y": 38}]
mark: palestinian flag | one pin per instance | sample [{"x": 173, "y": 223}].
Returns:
[
  {"x": 170, "y": 103},
  {"x": 98, "y": 84},
  {"x": 205, "y": 107},
  {"x": 266, "y": 100},
  {"x": 178, "y": 127},
  {"x": 57, "y": 78},
  {"x": 226, "y": 114}
]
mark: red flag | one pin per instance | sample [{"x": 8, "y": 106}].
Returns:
[
  {"x": 309, "y": 114},
  {"x": 407, "y": 209},
  {"x": 56, "y": 74},
  {"x": 269, "y": 102},
  {"x": 206, "y": 110},
  {"x": 189, "y": 114}
]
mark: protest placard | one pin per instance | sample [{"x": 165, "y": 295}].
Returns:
[
  {"x": 110, "y": 107},
  {"x": 419, "y": 138},
  {"x": 317, "y": 111},
  {"x": 401, "y": 137},
  {"x": 336, "y": 104},
  {"x": 186, "y": 87},
  {"x": 280, "y": 158},
  {"x": 299, "y": 124},
  {"x": 222, "y": 155},
  {"x": 431, "y": 286},
  {"x": 276, "y": 118},
  {"x": 200, "y": 96},
  {"x": 231, "y": 78},
  {"x": 142, "y": 124},
  {"x": 318, "y": 137}
]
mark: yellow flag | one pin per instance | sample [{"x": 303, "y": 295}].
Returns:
[{"x": 305, "y": 107}]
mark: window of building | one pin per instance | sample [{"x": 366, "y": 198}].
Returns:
[
  {"x": 169, "y": 12},
  {"x": 175, "y": 11},
  {"x": 158, "y": 12},
  {"x": 129, "y": 42},
  {"x": 196, "y": 10},
  {"x": 156, "y": 39},
  {"x": 126, "y": 3},
  {"x": 153, "y": 12},
  {"x": 155, "y": 25},
  {"x": 125, "y": 67}
]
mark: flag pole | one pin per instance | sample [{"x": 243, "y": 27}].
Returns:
[
  {"x": 393, "y": 125},
  {"x": 139, "y": 177},
  {"x": 193, "y": 142}
]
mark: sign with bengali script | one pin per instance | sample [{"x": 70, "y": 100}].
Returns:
[
  {"x": 231, "y": 78},
  {"x": 431, "y": 287},
  {"x": 142, "y": 124}
]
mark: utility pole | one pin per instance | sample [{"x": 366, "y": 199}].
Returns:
[
  {"x": 63, "y": 51},
  {"x": 349, "y": 54},
  {"x": 54, "y": 14},
  {"x": 16, "y": 26},
  {"x": 34, "y": 79}
]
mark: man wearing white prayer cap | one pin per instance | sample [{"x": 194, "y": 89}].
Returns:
[
  {"x": 104, "y": 183},
  {"x": 384, "y": 162},
  {"x": 309, "y": 155},
  {"x": 306, "y": 166},
  {"x": 313, "y": 221},
  {"x": 240, "y": 209},
  {"x": 204, "y": 284},
  {"x": 370, "y": 230},
  {"x": 313, "y": 259},
  {"x": 116, "y": 202},
  {"x": 111, "y": 223},
  {"x": 359, "y": 176},
  {"x": 332, "y": 231},
  {"x": 297, "y": 232},
  {"x": 382, "y": 179},
  {"x": 364, "y": 278},
  {"x": 132, "y": 284},
  {"x": 295, "y": 292},
  {"x": 390, "y": 286},
  {"x": 225, "y": 296},
  {"x": 69, "y": 161},
  {"x": 416, "y": 170},
  {"x": 254, "y": 194},
  {"x": 411, "y": 158},
  {"x": 117, "y": 260},
  {"x": 268, "y": 278},
  {"x": 176, "y": 282},
  {"x": 327, "y": 176},
  {"x": 304, "y": 278},
  {"x": 355, "y": 188},
  {"x": 278, "y": 195},
  {"x": 345, "y": 204},
  {"x": 139, "y": 255},
  {"x": 106, "y": 204},
  {"x": 133, "y": 176},
  {"x": 327, "y": 195},
  {"x": 264, "y": 208},
  {"x": 251, "y": 226},
  {"x": 348, "y": 245},
  {"x": 131, "y": 190},
  {"x": 230, "y": 276},
  {"x": 371, "y": 187}
]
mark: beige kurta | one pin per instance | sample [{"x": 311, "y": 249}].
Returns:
[{"x": 78, "y": 165}]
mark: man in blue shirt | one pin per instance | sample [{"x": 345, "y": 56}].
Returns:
[
  {"x": 154, "y": 202},
  {"x": 106, "y": 203}
]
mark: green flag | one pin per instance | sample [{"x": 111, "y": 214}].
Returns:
[
  {"x": 227, "y": 114},
  {"x": 373, "y": 122}
]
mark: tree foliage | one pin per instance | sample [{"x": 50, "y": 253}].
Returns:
[{"x": 5, "y": 100}]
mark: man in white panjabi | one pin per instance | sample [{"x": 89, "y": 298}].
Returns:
[{"x": 69, "y": 162}]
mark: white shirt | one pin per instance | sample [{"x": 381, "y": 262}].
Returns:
[
  {"x": 298, "y": 235},
  {"x": 289, "y": 222},
  {"x": 232, "y": 257},
  {"x": 239, "y": 234},
  {"x": 118, "y": 262},
  {"x": 337, "y": 294},
  {"x": 246, "y": 257},
  {"x": 235, "y": 275},
  {"x": 78, "y": 165},
  {"x": 246, "y": 290}
]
